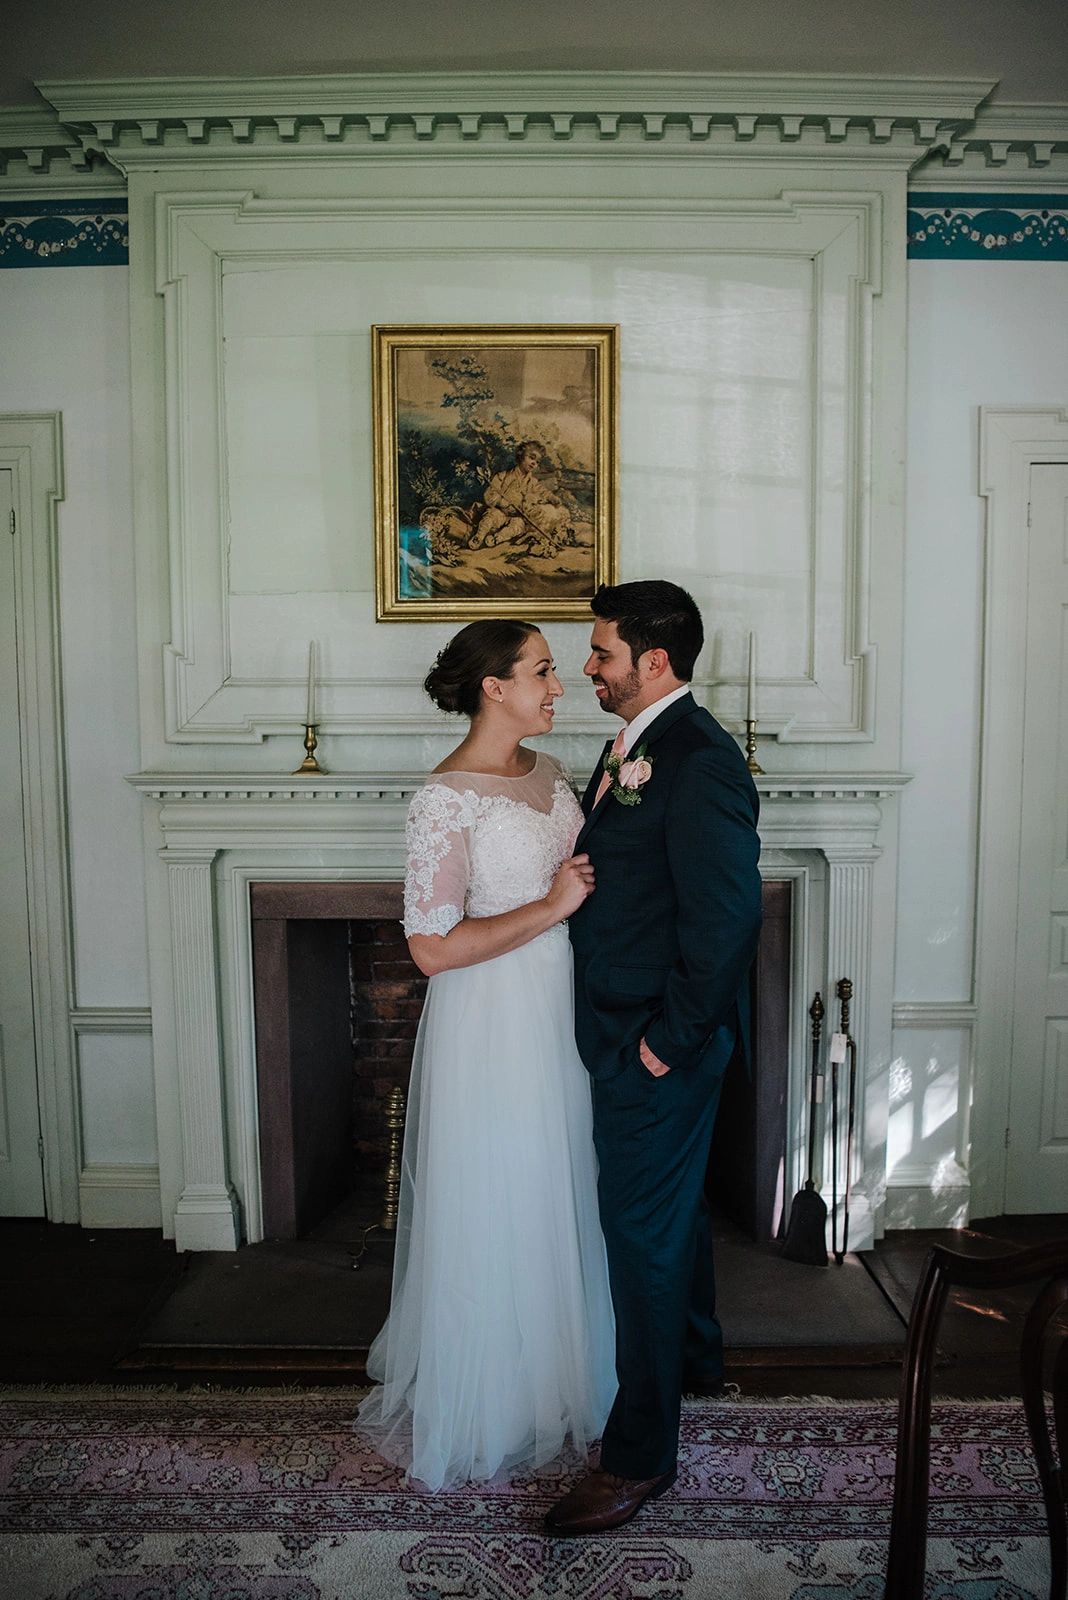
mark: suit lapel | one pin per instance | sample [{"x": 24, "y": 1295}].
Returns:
[{"x": 682, "y": 707}]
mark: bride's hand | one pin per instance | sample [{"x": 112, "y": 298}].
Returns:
[{"x": 573, "y": 882}]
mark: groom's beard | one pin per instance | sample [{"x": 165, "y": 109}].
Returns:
[{"x": 619, "y": 697}]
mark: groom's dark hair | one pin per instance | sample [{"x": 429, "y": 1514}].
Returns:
[{"x": 654, "y": 615}]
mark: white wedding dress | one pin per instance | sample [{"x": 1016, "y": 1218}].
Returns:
[{"x": 500, "y": 1340}]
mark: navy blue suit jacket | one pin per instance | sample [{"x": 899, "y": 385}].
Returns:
[{"x": 664, "y": 944}]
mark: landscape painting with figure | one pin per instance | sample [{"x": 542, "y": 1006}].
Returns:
[{"x": 494, "y": 470}]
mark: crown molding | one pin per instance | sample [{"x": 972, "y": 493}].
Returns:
[
  {"x": 38, "y": 156},
  {"x": 135, "y": 121},
  {"x": 47, "y": 148},
  {"x": 1017, "y": 144},
  {"x": 36, "y": 134}
]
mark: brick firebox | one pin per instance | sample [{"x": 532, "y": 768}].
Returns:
[{"x": 337, "y": 1003}]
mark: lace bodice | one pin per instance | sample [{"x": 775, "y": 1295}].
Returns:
[{"x": 478, "y": 845}]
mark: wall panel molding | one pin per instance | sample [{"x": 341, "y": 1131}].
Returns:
[
  {"x": 110, "y": 1019},
  {"x": 201, "y": 235},
  {"x": 934, "y": 1013},
  {"x": 119, "y": 1196}
]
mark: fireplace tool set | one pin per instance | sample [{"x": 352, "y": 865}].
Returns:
[{"x": 806, "y": 1232}]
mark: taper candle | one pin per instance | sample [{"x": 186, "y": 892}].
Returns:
[
  {"x": 310, "y": 717},
  {"x": 750, "y": 700}
]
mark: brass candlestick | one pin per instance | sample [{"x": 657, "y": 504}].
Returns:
[
  {"x": 750, "y": 746},
  {"x": 309, "y": 764},
  {"x": 396, "y": 1108}
]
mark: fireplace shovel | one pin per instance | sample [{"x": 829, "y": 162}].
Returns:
[{"x": 806, "y": 1232}]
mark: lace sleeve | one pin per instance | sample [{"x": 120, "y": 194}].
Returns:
[
  {"x": 563, "y": 774},
  {"x": 438, "y": 860}
]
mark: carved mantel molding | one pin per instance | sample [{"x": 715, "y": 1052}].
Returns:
[
  {"x": 221, "y": 832},
  {"x": 197, "y": 791}
]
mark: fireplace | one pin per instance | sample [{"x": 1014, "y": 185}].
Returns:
[
  {"x": 219, "y": 834},
  {"x": 337, "y": 1002}
]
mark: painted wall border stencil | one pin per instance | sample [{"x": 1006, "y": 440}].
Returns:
[
  {"x": 988, "y": 227},
  {"x": 64, "y": 233}
]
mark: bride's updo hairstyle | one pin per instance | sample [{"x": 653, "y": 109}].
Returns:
[{"x": 488, "y": 648}]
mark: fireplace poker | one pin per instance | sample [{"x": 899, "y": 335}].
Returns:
[
  {"x": 806, "y": 1233},
  {"x": 834, "y": 1160},
  {"x": 845, "y": 995}
]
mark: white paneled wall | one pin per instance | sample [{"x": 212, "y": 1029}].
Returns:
[
  {"x": 66, "y": 350},
  {"x": 980, "y": 334}
]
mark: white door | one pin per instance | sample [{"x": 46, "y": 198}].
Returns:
[
  {"x": 1037, "y": 1166},
  {"x": 21, "y": 1175}
]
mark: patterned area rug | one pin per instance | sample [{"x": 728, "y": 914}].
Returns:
[{"x": 148, "y": 1495}]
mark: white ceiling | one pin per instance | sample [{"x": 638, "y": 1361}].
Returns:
[{"x": 1022, "y": 43}]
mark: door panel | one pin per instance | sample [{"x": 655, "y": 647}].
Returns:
[
  {"x": 1037, "y": 1167},
  {"x": 21, "y": 1177}
]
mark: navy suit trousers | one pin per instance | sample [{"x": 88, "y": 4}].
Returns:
[{"x": 653, "y": 1137}]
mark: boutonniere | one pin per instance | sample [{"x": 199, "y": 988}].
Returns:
[{"x": 628, "y": 776}]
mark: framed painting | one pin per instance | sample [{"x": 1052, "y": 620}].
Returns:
[{"x": 495, "y": 465}]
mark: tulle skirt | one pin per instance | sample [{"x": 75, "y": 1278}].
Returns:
[{"x": 500, "y": 1341}]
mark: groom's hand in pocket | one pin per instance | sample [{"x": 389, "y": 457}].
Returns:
[{"x": 652, "y": 1063}]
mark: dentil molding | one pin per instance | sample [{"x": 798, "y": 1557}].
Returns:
[
  {"x": 1027, "y": 142},
  {"x": 229, "y": 787},
  {"x": 141, "y": 121},
  {"x": 93, "y": 129},
  {"x": 38, "y": 155}
]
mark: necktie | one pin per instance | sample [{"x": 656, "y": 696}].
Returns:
[{"x": 619, "y": 749}]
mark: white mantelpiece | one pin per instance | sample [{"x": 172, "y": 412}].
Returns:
[{"x": 221, "y": 833}]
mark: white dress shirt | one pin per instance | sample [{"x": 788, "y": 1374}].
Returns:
[{"x": 632, "y": 733}]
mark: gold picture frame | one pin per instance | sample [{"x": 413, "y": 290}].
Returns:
[{"x": 495, "y": 470}]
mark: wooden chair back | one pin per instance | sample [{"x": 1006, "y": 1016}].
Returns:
[{"x": 1044, "y": 1346}]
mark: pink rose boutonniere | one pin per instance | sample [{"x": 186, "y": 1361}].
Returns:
[{"x": 628, "y": 777}]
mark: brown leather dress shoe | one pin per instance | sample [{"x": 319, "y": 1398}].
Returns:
[{"x": 601, "y": 1501}]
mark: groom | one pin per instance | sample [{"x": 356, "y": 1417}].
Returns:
[{"x": 662, "y": 950}]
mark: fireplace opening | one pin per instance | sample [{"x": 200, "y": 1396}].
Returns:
[{"x": 337, "y": 1003}]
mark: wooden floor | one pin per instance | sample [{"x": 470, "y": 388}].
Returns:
[{"x": 74, "y": 1300}]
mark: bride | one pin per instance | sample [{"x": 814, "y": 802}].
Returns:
[{"x": 499, "y": 1342}]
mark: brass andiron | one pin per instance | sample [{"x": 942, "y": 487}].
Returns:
[
  {"x": 396, "y": 1109},
  {"x": 750, "y": 746},
  {"x": 309, "y": 764}
]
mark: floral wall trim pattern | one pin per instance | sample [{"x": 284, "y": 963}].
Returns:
[
  {"x": 988, "y": 227},
  {"x": 941, "y": 227},
  {"x": 64, "y": 233}
]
